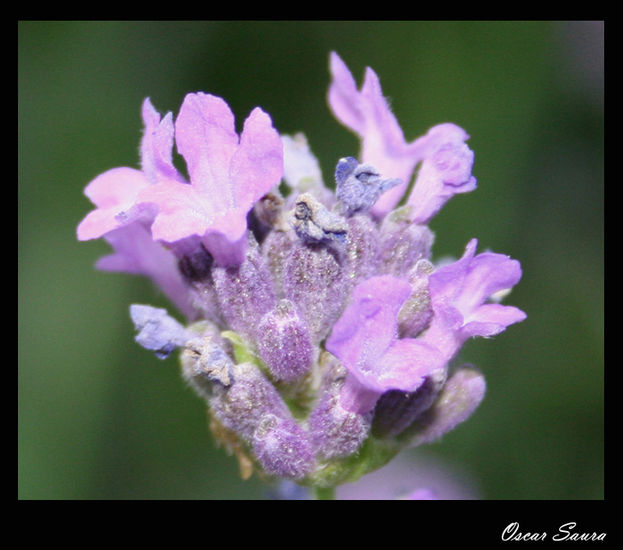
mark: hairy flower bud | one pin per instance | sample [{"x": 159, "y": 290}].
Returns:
[
  {"x": 361, "y": 248},
  {"x": 241, "y": 405},
  {"x": 284, "y": 343},
  {"x": 314, "y": 281},
  {"x": 402, "y": 243},
  {"x": 282, "y": 447},
  {"x": 417, "y": 311},
  {"x": 245, "y": 292},
  {"x": 335, "y": 431}
]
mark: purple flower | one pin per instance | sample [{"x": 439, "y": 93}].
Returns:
[
  {"x": 365, "y": 339},
  {"x": 321, "y": 333},
  {"x": 367, "y": 113},
  {"x": 228, "y": 175},
  {"x": 461, "y": 295}
]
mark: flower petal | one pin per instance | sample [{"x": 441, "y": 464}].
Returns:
[
  {"x": 369, "y": 324},
  {"x": 183, "y": 211},
  {"x": 442, "y": 175},
  {"x": 257, "y": 165},
  {"x": 206, "y": 137},
  {"x": 157, "y": 145},
  {"x": 118, "y": 186}
]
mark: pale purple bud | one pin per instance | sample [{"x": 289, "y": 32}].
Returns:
[
  {"x": 275, "y": 248},
  {"x": 361, "y": 248},
  {"x": 458, "y": 399},
  {"x": 335, "y": 431},
  {"x": 284, "y": 343},
  {"x": 157, "y": 331},
  {"x": 282, "y": 447},
  {"x": 417, "y": 312},
  {"x": 313, "y": 280},
  {"x": 241, "y": 405},
  {"x": 245, "y": 293},
  {"x": 402, "y": 243}
]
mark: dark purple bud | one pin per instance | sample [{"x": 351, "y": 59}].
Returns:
[
  {"x": 196, "y": 265},
  {"x": 458, "y": 399},
  {"x": 284, "y": 343},
  {"x": 245, "y": 293},
  {"x": 313, "y": 280},
  {"x": 265, "y": 215},
  {"x": 282, "y": 447}
]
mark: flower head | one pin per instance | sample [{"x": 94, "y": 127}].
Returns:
[{"x": 322, "y": 334}]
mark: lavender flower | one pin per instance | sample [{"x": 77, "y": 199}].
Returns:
[{"x": 318, "y": 328}]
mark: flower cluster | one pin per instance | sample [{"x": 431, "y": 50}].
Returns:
[{"x": 316, "y": 326}]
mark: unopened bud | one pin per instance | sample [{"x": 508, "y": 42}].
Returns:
[{"x": 284, "y": 343}]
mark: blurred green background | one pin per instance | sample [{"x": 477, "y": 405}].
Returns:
[{"x": 101, "y": 418}]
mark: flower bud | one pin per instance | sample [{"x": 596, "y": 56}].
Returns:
[
  {"x": 282, "y": 447},
  {"x": 458, "y": 399},
  {"x": 361, "y": 248},
  {"x": 284, "y": 343},
  {"x": 335, "y": 431},
  {"x": 396, "y": 410},
  {"x": 314, "y": 281},
  {"x": 402, "y": 243},
  {"x": 417, "y": 311},
  {"x": 244, "y": 292},
  {"x": 157, "y": 331},
  {"x": 241, "y": 405}
]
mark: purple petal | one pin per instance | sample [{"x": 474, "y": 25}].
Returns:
[
  {"x": 137, "y": 253},
  {"x": 257, "y": 165},
  {"x": 114, "y": 193},
  {"x": 365, "y": 340},
  {"x": 369, "y": 325},
  {"x": 157, "y": 145},
  {"x": 442, "y": 175},
  {"x": 206, "y": 137},
  {"x": 459, "y": 292},
  {"x": 491, "y": 319},
  {"x": 183, "y": 211},
  {"x": 227, "y": 176},
  {"x": 367, "y": 114}
]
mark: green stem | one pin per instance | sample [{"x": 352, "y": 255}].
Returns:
[{"x": 324, "y": 493}]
